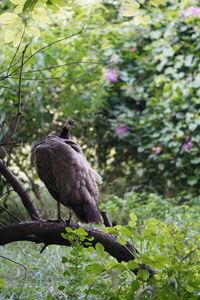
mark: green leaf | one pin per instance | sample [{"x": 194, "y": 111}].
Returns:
[
  {"x": 9, "y": 18},
  {"x": 121, "y": 240},
  {"x": 18, "y": 2},
  {"x": 29, "y": 5},
  {"x": 195, "y": 161},
  {"x": 41, "y": 16},
  {"x": 118, "y": 266},
  {"x": 132, "y": 264},
  {"x": 99, "y": 247},
  {"x": 131, "y": 8},
  {"x": 126, "y": 232},
  {"x": 158, "y": 2},
  {"x": 143, "y": 274},
  {"x": 133, "y": 218},
  {"x": 59, "y": 2},
  {"x": 161, "y": 261},
  {"x": 111, "y": 230},
  {"x": 68, "y": 229},
  {"x": 64, "y": 260},
  {"x": 192, "y": 127},
  {"x": 95, "y": 268},
  {"x": 142, "y": 20}
]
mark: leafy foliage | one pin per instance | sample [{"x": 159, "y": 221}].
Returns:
[
  {"x": 139, "y": 114},
  {"x": 170, "y": 247}
]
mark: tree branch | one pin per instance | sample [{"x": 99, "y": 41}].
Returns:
[
  {"x": 11, "y": 62},
  {"x": 19, "y": 189},
  {"x": 40, "y": 50},
  {"x": 19, "y": 113},
  {"x": 63, "y": 65},
  {"x": 50, "y": 233},
  {"x": 8, "y": 212}
]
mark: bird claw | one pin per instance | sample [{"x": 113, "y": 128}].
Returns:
[{"x": 69, "y": 222}]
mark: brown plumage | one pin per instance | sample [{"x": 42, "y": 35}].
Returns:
[{"x": 65, "y": 171}]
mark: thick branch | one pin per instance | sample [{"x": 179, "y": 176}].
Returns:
[
  {"x": 50, "y": 233},
  {"x": 19, "y": 189}
]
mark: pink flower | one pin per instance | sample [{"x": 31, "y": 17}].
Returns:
[
  {"x": 191, "y": 11},
  {"x": 186, "y": 147},
  {"x": 111, "y": 75},
  {"x": 122, "y": 129}
]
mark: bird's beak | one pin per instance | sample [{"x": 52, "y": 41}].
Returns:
[{"x": 75, "y": 125}]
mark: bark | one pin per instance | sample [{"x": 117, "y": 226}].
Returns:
[
  {"x": 50, "y": 233},
  {"x": 19, "y": 189}
]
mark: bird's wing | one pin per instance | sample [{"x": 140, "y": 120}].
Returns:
[
  {"x": 43, "y": 161},
  {"x": 62, "y": 164}
]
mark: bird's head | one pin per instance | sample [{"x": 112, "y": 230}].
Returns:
[{"x": 70, "y": 123}]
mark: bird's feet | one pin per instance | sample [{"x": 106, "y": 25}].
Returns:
[{"x": 69, "y": 222}]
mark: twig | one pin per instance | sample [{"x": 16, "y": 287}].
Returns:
[
  {"x": 10, "y": 143},
  {"x": 5, "y": 209},
  {"x": 4, "y": 77},
  {"x": 19, "y": 189},
  {"x": 12, "y": 88},
  {"x": 188, "y": 254},
  {"x": 44, "y": 78},
  {"x": 60, "y": 66},
  {"x": 40, "y": 50},
  {"x": 19, "y": 113},
  {"x": 10, "y": 66},
  {"x": 43, "y": 248},
  {"x": 11, "y": 260}
]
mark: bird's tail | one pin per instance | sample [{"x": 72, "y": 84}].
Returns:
[{"x": 87, "y": 213}]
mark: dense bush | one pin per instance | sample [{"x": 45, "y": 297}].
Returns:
[
  {"x": 147, "y": 125},
  {"x": 139, "y": 111},
  {"x": 168, "y": 242}
]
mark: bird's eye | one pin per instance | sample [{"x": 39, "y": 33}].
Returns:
[{"x": 70, "y": 122}]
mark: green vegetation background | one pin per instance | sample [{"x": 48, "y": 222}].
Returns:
[{"x": 138, "y": 111}]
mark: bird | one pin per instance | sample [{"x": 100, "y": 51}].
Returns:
[{"x": 65, "y": 171}]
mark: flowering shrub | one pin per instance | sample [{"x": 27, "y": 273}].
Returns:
[
  {"x": 191, "y": 11},
  {"x": 122, "y": 129},
  {"x": 111, "y": 75},
  {"x": 151, "y": 112}
]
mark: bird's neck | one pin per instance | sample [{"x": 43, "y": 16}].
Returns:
[{"x": 65, "y": 134}]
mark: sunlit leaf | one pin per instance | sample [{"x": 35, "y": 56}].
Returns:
[
  {"x": 41, "y": 16},
  {"x": 59, "y": 2},
  {"x": 95, "y": 268},
  {"x": 18, "y": 9},
  {"x": 33, "y": 31},
  {"x": 18, "y": 2},
  {"x": 99, "y": 247},
  {"x": 132, "y": 264},
  {"x": 133, "y": 218},
  {"x": 9, "y": 18},
  {"x": 141, "y": 20},
  {"x": 9, "y": 36},
  {"x": 158, "y": 2},
  {"x": 121, "y": 240},
  {"x": 131, "y": 8},
  {"x": 143, "y": 274}
]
